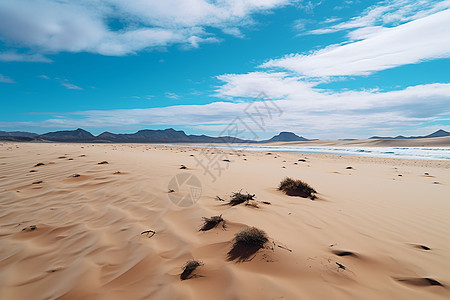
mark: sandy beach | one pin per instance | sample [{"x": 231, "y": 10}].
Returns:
[{"x": 72, "y": 215}]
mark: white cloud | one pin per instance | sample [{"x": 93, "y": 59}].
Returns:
[
  {"x": 306, "y": 110},
  {"x": 10, "y": 56},
  {"x": 388, "y": 13},
  {"x": 51, "y": 26},
  {"x": 171, "y": 95},
  {"x": 70, "y": 86},
  {"x": 5, "y": 79},
  {"x": 409, "y": 43}
]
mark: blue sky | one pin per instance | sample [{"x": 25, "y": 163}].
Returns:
[{"x": 336, "y": 69}]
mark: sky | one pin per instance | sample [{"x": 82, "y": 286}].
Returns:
[{"x": 323, "y": 69}]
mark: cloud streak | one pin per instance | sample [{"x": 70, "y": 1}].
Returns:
[
  {"x": 410, "y": 43},
  {"x": 5, "y": 79}
]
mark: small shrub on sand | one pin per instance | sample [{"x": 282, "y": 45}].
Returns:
[
  {"x": 246, "y": 243},
  {"x": 213, "y": 222},
  {"x": 238, "y": 198},
  {"x": 297, "y": 188},
  {"x": 188, "y": 268}
]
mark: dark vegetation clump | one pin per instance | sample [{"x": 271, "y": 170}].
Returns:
[
  {"x": 246, "y": 243},
  {"x": 213, "y": 222},
  {"x": 297, "y": 188},
  {"x": 183, "y": 167},
  {"x": 30, "y": 228},
  {"x": 349, "y": 168},
  {"x": 39, "y": 164},
  {"x": 238, "y": 198},
  {"x": 103, "y": 162},
  {"x": 188, "y": 268}
]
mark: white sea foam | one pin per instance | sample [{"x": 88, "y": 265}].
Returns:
[{"x": 434, "y": 153}]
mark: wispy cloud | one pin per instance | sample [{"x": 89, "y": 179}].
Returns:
[
  {"x": 81, "y": 26},
  {"x": 5, "y": 79},
  {"x": 11, "y": 56},
  {"x": 171, "y": 95},
  {"x": 70, "y": 86},
  {"x": 387, "y": 13},
  {"x": 409, "y": 43}
]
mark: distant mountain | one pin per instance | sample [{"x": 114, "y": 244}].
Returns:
[
  {"x": 18, "y": 134},
  {"x": 439, "y": 133},
  {"x": 146, "y": 136},
  {"x": 286, "y": 137},
  {"x": 79, "y": 135},
  {"x": 16, "y": 139},
  {"x": 164, "y": 136},
  {"x": 169, "y": 135}
]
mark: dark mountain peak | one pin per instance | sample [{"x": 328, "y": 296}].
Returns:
[
  {"x": 438, "y": 133},
  {"x": 286, "y": 136},
  {"x": 78, "y": 135}
]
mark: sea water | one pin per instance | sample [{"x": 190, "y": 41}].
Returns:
[{"x": 434, "y": 153}]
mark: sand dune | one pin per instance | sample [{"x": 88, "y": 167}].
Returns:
[{"x": 371, "y": 234}]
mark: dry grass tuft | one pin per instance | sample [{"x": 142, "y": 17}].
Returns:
[
  {"x": 213, "y": 222},
  {"x": 188, "y": 268},
  {"x": 297, "y": 188},
  {"x": 246, "y": 243},
  {"x": 238, "y": 198}
]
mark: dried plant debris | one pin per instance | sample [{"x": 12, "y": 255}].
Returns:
[
  {"x": 297, "y": 188},
  {"x": 30, "y": 228},
  {"x": 238, "y": 198},
  {"x": 246, "y": 244},
  {"x": 190, "y": 267},
  {"x": 213, "y": 222},
  {"x": 149, "y": 233},
  {"x": 219, "y": 199}
]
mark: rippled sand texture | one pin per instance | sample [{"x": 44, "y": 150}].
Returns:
[{"x": 379, "y": 230}]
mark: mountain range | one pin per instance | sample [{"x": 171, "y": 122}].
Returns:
[
  {"x": 439, "y": 133},
  {"x": 142, "y": 136},
  {"x": 169, "y": 135}
]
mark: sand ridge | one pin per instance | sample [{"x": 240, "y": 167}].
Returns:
[{"x": 371, "y": 233}]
